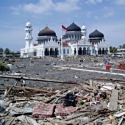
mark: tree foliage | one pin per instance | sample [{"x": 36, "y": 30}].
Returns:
[
  {"x": 3, "y": 66},
  {"x": 1, "y": 50},
  {"x": 7, "y": 51},
  {"x": 123, "y": 45},
  {"x": 113, "y": 49}
]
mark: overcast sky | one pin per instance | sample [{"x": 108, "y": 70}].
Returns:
[{"x": 108, "y": 16}]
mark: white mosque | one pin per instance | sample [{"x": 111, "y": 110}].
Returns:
[{"x": 74, "y": 42}]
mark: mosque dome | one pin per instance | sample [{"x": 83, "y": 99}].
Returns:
[
  {"x": 96, "y": 33},
  {"x": 73, "y": 27},
  {"x": 46, "y": 32},
  {"x": 28, "y": 24}
]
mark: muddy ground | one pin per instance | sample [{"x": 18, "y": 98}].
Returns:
[{"x": 46, "y": 68}]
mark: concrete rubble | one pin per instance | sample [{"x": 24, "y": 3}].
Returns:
[{"x": 77, "y": 91}]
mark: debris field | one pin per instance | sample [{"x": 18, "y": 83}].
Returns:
[{"x": 76, "y": 91}]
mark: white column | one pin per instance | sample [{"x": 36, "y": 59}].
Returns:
[
  {"x": 86, "y": 51},
  {"x": 49, "y": 51},
  {"x": 97, "y": 51},
  {"x": 108, "y": 50},
  {"x": 101, "y": 50},
  {"x": 43, "y": 54},
  {"x": 72, "y": 51},
  {"x": 82, "y": 50},
  {"x": 91, "y": 53}
]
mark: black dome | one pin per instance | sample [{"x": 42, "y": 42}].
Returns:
[
  {"x": 73, "y": 27},
  {"x": 96, "y": 33},
  {"x": 46, "y": 32}
]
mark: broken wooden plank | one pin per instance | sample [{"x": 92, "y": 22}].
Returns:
[
  {"x": 34, "y": 89},
  {"x": 113, "y": 100},
  {"x": 70, "y": 117},
  {"x": 6, "y": 93}
]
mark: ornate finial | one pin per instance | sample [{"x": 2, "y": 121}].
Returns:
[
  {"x": 73, "y": 21},
  {"x": 96, "y": 27},
  {"x": 46, "y": 24},
  {"x": 28, "y": 19}
]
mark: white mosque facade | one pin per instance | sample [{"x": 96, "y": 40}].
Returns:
[{"x": 74, "y": 42}]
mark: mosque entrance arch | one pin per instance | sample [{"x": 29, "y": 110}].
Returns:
[
  {"x": 56, "y": 52},
  {"x": 103, "y": 51},
  {"x": 74, "y": 51},
  {"x": 84, "y": 51},
  {"x": 35, "y": 53},
  {"x": 99, "y": 51},
  {"x": 52, "y": 51},
  {"x": 106, "y": 51},
  {"x": 80, "y": 51},
  {"x": 46, "y": 52}
]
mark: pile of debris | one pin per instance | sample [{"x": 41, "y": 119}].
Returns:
[{"x": 93, "y": 102}]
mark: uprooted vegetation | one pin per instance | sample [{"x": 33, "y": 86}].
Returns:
[{"x": 3, "y": 66}]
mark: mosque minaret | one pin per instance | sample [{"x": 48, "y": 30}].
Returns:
[{"x": 28, "y": 37}]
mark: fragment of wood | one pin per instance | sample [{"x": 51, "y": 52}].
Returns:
[
  {"x": 86, "y": 87},
  {"x": 6, "y": 93},
  {"x": 34, "y": 89},
  {"x": 91, "y": 119},
  {"x": 61, "y": 122},
  {"x": 104, "y": 111},
  {"x": 121, "y": 120},
  {"x": 70, "y": 117},
  {"x": 119, "y": 114},
  {"x": 37, "y": 98},
  {"x": 114, "y": 100},
  {"x": 107, "y": 79},
  {"x": 90, "y": 83},
  {"x": 9, "y": 121},
  {"x": 50, "y": 99},
  {"x": 85, "y": 110},
  {"x": 104, "y": 104},
  {"x": 21, "y": 99}
]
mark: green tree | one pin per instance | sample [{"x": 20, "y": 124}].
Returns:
[
  {"x": 123, "y": 45},
  {"x": 113, "y": 49},
  {"x": 7, "y": 51},
  {"x": 12, "y": 53},
  {"x": 1, "y": 50}
]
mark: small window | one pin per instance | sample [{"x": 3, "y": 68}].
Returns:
[
  {"x": 67, "y": 51},
  {"x": 63, "y": 51}
]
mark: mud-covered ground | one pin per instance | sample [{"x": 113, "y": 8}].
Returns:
[{"x": 46, "y": 68}]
